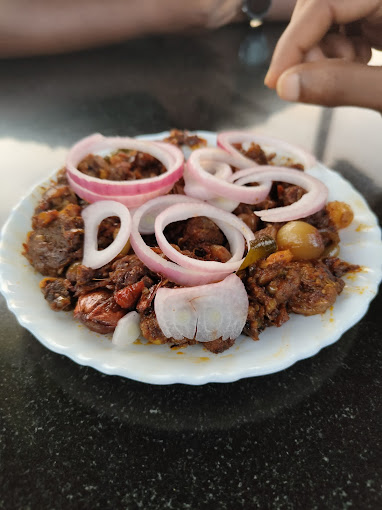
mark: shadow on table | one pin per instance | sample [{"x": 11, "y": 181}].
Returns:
[{"x": 199, "y": 408}]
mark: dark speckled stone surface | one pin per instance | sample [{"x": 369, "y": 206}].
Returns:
[{"x": 305, "y": 438}]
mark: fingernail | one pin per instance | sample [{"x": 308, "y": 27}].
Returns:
[{"x": 288, "y": 87}]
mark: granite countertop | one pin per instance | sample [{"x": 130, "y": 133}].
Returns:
[{"x": 308, "y": 437}]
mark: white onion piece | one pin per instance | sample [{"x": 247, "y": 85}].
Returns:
[
  {"x": 206, "y": 312},
  {"x": 127, "y": 330},
  {"x": 160, "y": 265},
  {"x": 224, "y": 203},
  {"x": 130, "y": 201},
  {"x": 180, "y": 212},
  {"x": 226, "y": 139},
  {"x": 169, "y": 155},
  {"x": 313, "y": 201},
  {"x": 199, "y": 171},
  {"x": 92, "y": 216}
]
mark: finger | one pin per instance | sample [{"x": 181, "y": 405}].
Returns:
[
  {"x": 310, "y": 22},
  {"x": 338, "y": 46},
  {"x": 333, "y": 83},
  {"x": 314, "y": 55}
]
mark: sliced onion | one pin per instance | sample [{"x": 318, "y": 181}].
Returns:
[
  {"x": 226, "y": 139},
  {"x": 313, "y": 201},
  {"x": 159, "y": 264},
  {"x": 206, "y": 312},
  {"x": 184, "y": 211},
  {"x": 169, "y": 155},
  {"x": 147, "y": 223},
  {"x": 130, "y": 201},
  {"x": 196, "y": 189},
  {"x": 92, "y": 216},
  {"x": 127, "y": 330},
  {"x": 200, "y": 172}
]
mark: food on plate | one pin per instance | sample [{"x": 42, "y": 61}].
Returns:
[{"x": 135, "y": 239}]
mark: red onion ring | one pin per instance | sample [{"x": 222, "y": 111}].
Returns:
[
  {"x": 180, "y": 212},
  {"x": 226, "y": 139},
  {"x": 313, "y": 201},
  {"x": 169, "y": 155},
  {"x": 92, "y": 216},
  {"x": 205, "y": 312},
  {"x": 157, "y": 263},
  {"x": 201, "y": 174},
  {"x": 130, "y": 201}
]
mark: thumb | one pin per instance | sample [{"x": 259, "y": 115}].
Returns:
[{"x": 333, "y": 82}]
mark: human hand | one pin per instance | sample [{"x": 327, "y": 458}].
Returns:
[{"x": 312, "y": 65}]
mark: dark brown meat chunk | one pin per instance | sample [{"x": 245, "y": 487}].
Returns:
[
  {"x": 318, "y": 290},
  {"x": 84, "y": 279},
  {"x": 303, "y": 287},
  {"x": 198, "y": 231},
  {"x": 180, "y": 138},
  {"x": 57, "y": 293},
  {"x": 98, "y": 311},
  {"x": 217, "y": 346},
  {"x": 151, "y": 330},
  {"x": 254, "y": 152},
  {"x": 339, "y": 267},
  {"x": 121, "y": 166},
  {"x": 56, "y": 197},
  {"x": 51, "y": 248},
  {"x": 129, "y": 270}
]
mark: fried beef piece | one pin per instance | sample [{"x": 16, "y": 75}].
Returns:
[
  {"x": 303, "y": 287},
  {"x": 84, "y": 279},
  {"x": 56, "y": 197},
  {"x": 98, "y": 311},
  {"x": 151, "y": 330},
  {"x": 217, "y": 346},
  {"x": 107, "y": 231},
  {"x": 179, "y": 138},
  {"x": 129, "y": 270},
  {"x": 198, "y": 231},
  {"x": 56, "y": 243},
  {"x": 318, "y": 290},
  {"x": 122, "y": 166},
  {"x": 339, "y": 267},
  {"x": 95, "y": 166},
  {"x": 289, "y": 194},
  {"x": 57, "y": 293},
  {"x": 254, "y": 152}
]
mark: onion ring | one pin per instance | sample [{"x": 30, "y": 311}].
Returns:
[
  {"x": 167, "y": 268},
  {"x": 226, "y": 139},
  {"x": 184, "y": 211},
  {"x": 92, "y": 216},
  {"x": 201, "y": 174},
  {"x": 169, "y": 155}
]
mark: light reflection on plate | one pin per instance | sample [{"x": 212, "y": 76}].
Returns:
[{"x": 277, "y": 349}]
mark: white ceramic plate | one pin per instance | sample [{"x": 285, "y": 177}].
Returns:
[{"x": 277, "y": 349}]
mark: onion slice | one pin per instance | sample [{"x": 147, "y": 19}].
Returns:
[
  {"x": 157, "y": 262},
  {"x": 130, "y": 201},
  {"x": 226, "y": 139},
  {"x": 184, "y": 211},
  {"x": 206, "y": 312},
  {"x": 92, "y": 216},
  {"x": 310, "y": 203},
  {"x": 127, "y": 330},
  {"x": 201, "y": 173},
  {"x": 169, "y": 155}
]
